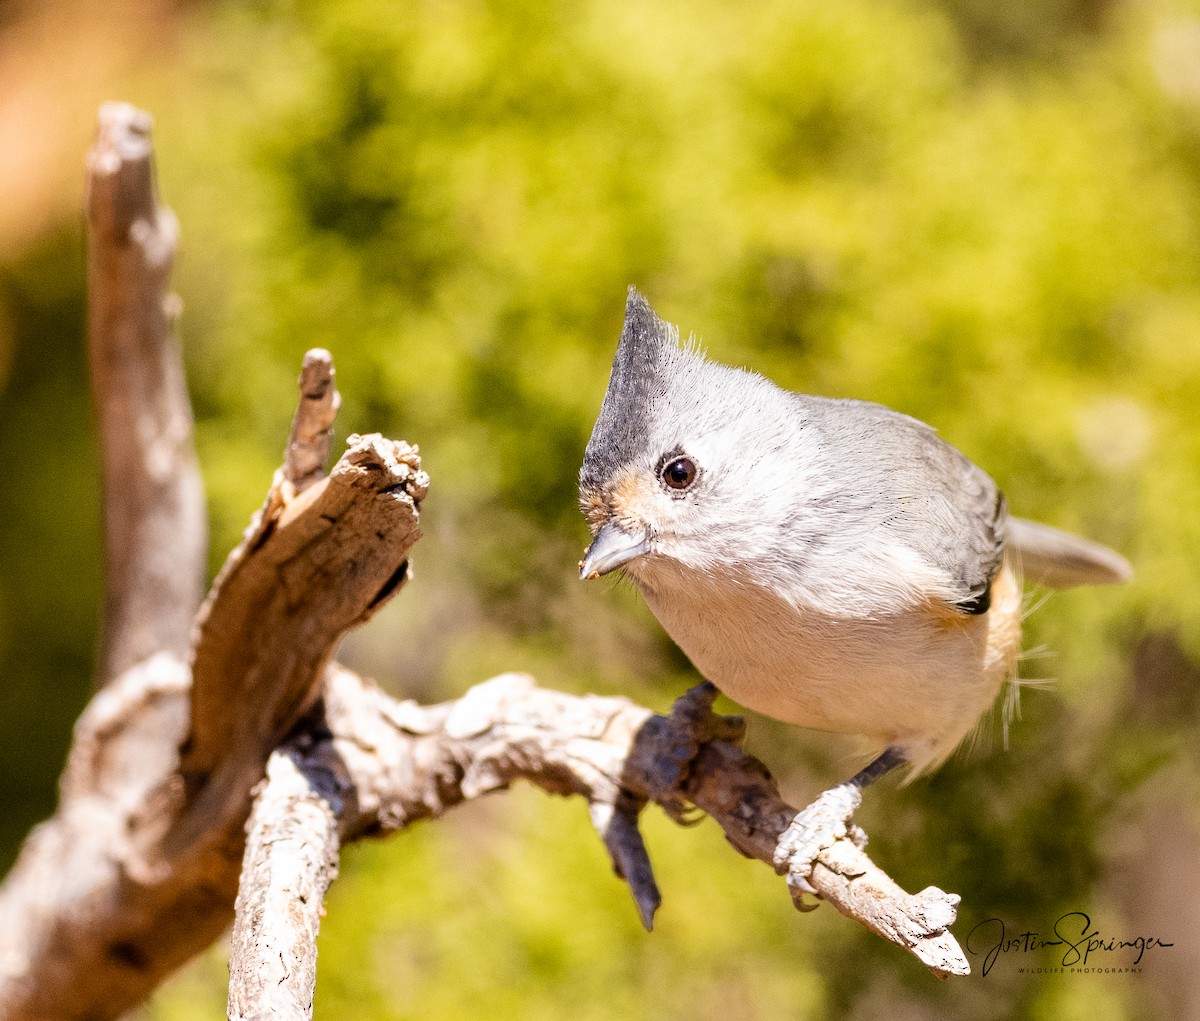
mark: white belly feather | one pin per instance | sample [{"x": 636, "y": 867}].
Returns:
[{"x": 919, "y": 678}]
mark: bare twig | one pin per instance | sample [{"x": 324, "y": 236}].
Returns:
[
  {"x": 618, "y": 829},
  {"x": 736, "y": 791},
  {"x": 291, "y": 858},
  {"x": 155, "y": 535},
  {"x": 312, "y": 428}
]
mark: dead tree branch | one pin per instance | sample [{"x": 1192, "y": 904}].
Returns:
[
  {"x": 312, "y": 429},
  {"x": 140, "y": 865},
  {"x": 154, "y": 524},
  {"x": 307, "y": 571},
  {"x": 379, "y": 765},
  {"x": 147, "y": 841},
  {"x": 137, "y": 870},
  {"x": 291, "y": 858}
]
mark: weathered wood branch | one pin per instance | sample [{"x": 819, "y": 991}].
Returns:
[
  {"x": 404, "y": 763},
  {"x": 310, "y": 567},
  {"x": 379, "y": 765},
  {"x": 154, "y": 523},
  {"x": 311, "y": 438},
  {"x": 146, "y": 845},
  {"x": 730, "y": 787},
  {"x": 291, "y": 858},
  {"x": 139, "y": 867}
]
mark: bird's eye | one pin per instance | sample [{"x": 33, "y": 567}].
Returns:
[{"x": 679, "y": 473}]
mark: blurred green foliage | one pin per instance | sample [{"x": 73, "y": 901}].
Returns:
[{"x": 985, "y": 215}]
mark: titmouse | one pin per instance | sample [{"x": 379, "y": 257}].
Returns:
[{"x": 829, "y": 563}]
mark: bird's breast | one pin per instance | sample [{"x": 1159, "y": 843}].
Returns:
[{"x": 920, "y": 673}]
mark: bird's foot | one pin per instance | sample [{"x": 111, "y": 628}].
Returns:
[
  {"x": 817, "y": 828},
  {"x": 678, "y": 740}
]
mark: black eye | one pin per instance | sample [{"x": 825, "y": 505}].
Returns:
[{"x": 679, "y": 473}]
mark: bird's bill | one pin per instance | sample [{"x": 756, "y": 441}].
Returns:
[{"x": 612, "y": 548}]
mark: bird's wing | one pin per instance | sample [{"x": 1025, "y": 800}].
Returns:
[
  {"x": 961, "y": 526},
  {"x": 934, "y": 501}
]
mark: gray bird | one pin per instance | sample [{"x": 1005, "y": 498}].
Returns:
[{"x": 829, "y": 563}]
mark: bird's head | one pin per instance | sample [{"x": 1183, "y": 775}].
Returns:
[{"x": 685, "y": 460}]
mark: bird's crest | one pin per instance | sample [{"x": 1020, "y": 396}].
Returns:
[{"x": 643, "y": 353}]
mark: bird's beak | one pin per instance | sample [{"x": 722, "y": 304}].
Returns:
[{"x": 612, "y": 548}]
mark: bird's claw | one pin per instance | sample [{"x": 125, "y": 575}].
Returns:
[
  {"x": 815, "y": 829},
  {"x": 678, "y": 740}
]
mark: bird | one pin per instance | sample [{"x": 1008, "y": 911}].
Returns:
[{"x": 826, "y": 562}]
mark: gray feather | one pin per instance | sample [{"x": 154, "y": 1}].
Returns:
[
  {"x": 619, "y": 433},
  {"x": 869, "y": 472},
  {"x": 920, "y": 490},
  {"x": 1062, "y": 560}
]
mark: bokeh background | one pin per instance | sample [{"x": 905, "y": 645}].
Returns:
[{"x": 984, "y": 214}]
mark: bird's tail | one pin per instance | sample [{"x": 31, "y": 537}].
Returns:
[{"x": 1062, "y": 560}]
